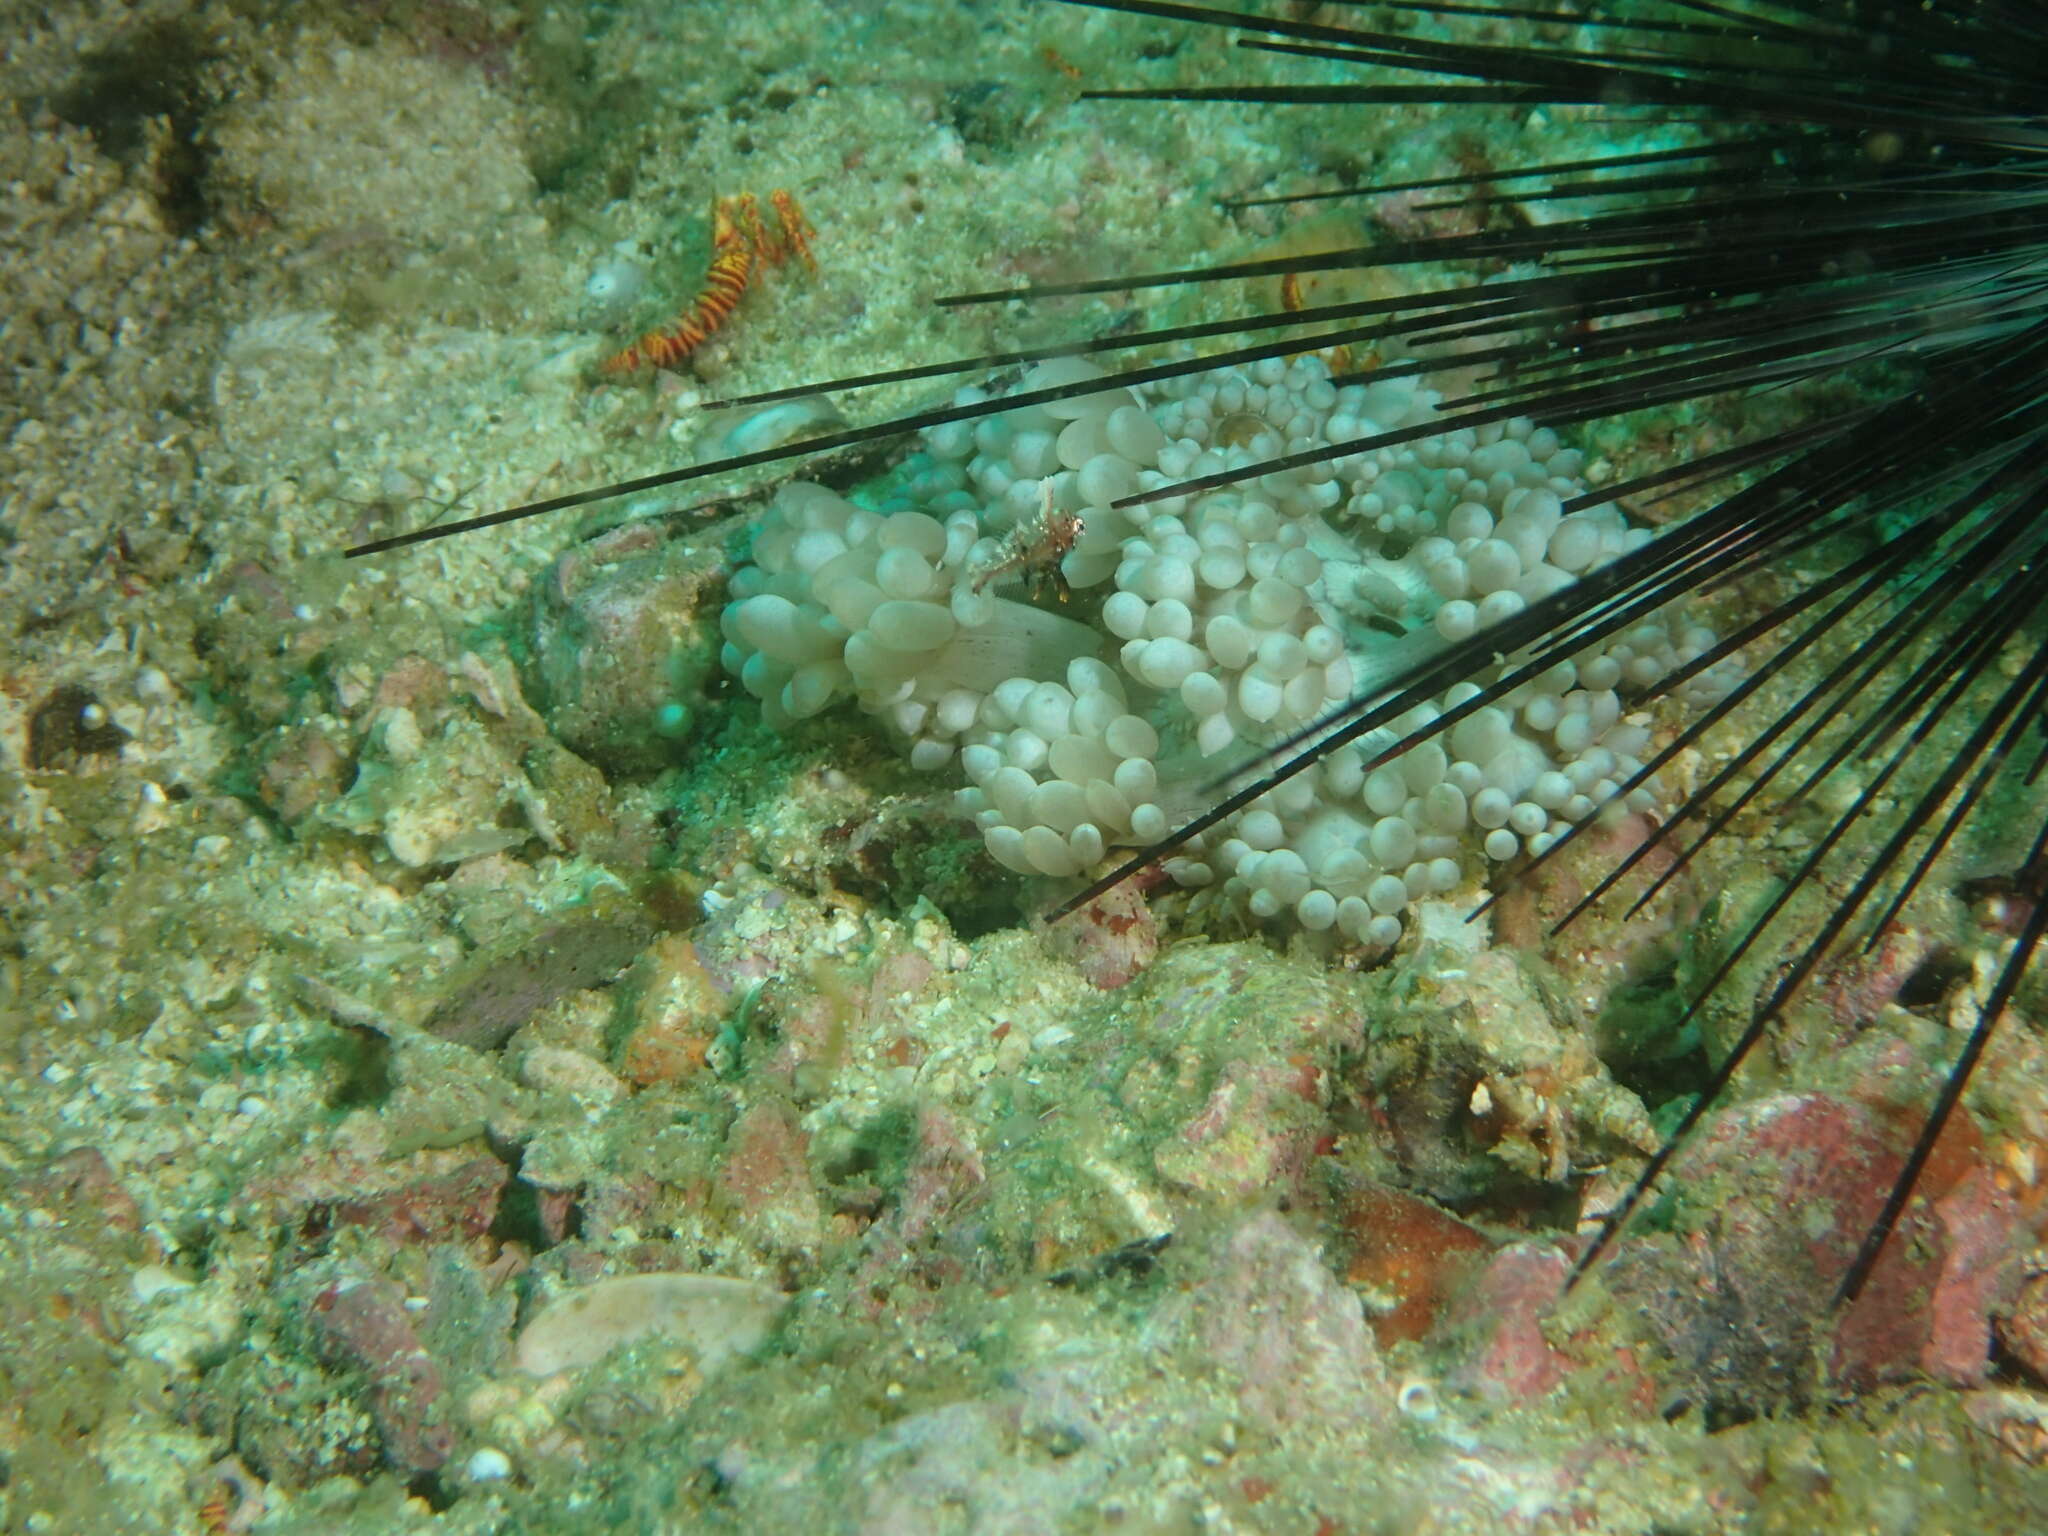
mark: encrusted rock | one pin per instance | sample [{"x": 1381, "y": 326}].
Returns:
[
  {"x": 494, "y": 992},
  {"x": 623, "y": 644},
  {"x": 1479, "y": 1069},
  {"x": 715, "y": 1317},
  {"x": 364, "y": 1324},
  {"x": 1271, "y": 1314},
  {"x": 766, "y": 1180},
  {"x": 669, "y": 1009},
  {"x": 1407, "y": 1257}
]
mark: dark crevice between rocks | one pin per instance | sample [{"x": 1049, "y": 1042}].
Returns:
[
  {"x": 156, "y": 71},
  {"x": 521, "y": 1219},
  {"x": 1929, "y": 983},
  {"x": 362, "y": 1076},
  {"x": 432, "y": 1490},
  {"x": 69, "y": 728},
  {"x": 1639, "y": 1040}
]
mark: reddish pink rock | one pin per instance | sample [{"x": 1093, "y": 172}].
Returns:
[
  {"x": 817, "y": 1021},
  {"x": 1257, "y": 1132},
  {"x": 1928, "y": 1306},
  {"x": 674, "y": 1010},
  {"x": 1777, "y": 1196},
  {"x": 415, "y": 1201},
  {"x": 1596, "y": 952},
  {"x": 945, "y": 1171},
  {"x": 439, "y": 1208},
  {"x": 363, "y": 1325},
  {"x": 1407, "y": 1257},
  {"x": 81, "y": 1186},
  {"x": 766, "y": 1178},
  {"x": 554, "y": 1213},
  {"x": 412, "y": 682},
  {"x": 304, "y": 769},
  {"x": 1110, "y": 940},
  {"x": 610, "y": 1203},
  {"x": 1855, "y": 986},
  {"x": 900, "y": 977},
  {"x": 1980, "y": 1275},
  {"x": 1502, "y": 1311}
]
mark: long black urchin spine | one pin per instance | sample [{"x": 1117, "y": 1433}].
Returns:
[
  {"x": 1832, "y": 228},
  {"x": 1864, "y": 223}
]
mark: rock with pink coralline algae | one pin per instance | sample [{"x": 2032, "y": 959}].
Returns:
[
  {"x": 766, "y": 1182},
  {"x": 1508, "y": 1357},
  {"x": 1270, "y": 1313},
  {"x": 364, "y": 1325},
  {"x": 1773, "y": 1202},
  {"x": 1110, "y": 940}
]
